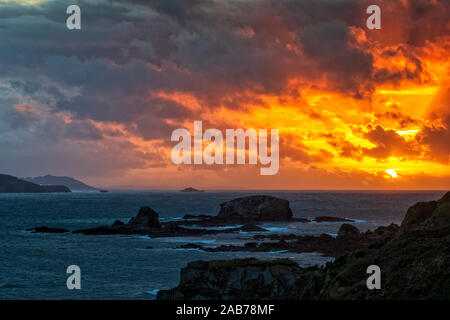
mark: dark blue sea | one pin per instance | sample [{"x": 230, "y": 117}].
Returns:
[{"x": 33, "y": 265}]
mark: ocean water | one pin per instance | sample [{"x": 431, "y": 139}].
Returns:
[{"x": 33, "y": 266}]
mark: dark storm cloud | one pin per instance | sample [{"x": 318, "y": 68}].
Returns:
[
  {"x": 20, "y": 116},
  {"x": 212, "y": 49},
  {"x": 437, "y": 139},
  {"x": 348, "y": 67},
  {"x": 224, "y": 53},
  {"x": 82, "y": 130},
  {"x": 388, "y": 143}
]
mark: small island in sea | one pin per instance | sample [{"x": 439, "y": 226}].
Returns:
[{"x": 190, "y": 189}]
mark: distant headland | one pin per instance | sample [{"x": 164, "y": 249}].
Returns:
[
  {"x": 71, "y": 183},
  {"x": 10, "y": 184}
]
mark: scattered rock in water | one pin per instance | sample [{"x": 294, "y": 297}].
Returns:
[
  {"x": 45, "y": 229},
  {"x": 147, "y": 222},
  {"x": 332, "y": 219},
  {"x": 200, "y": 216},
  {"x": 252, "y": 228},
  {"x": 419, "y": 251},
  {"x": 247, "y": 210}
]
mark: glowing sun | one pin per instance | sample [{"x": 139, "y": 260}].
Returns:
[{"x": 392, "y": 173}]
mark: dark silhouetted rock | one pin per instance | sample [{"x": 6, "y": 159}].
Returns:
[
  {"x": 190, "y": 189},
  {"x": 250, "y": 244},
  {"x": 255, "y": 208},
  {"x": 415, "y": 264},
  {"x": 389, "y": 230},
  {"x": 332, "y": 219},
  {"x": 417, "y": 214},
  {"x": 252, "y": 228},
  {"x": 45, "y": 229},
  {"x": 427, "y": 215},
  {"x": 347, "y": 231},
  {"x": 10, "y": 184},
  {"x": 236, "y": 279},
  {"x": 200, "y": 216},
  {"x": 147, "y": 223},
  {"x": 147, "y": 218},
  {"x": 118, "y": 223}
]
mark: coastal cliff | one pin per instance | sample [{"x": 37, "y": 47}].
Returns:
[{"x": 414, "y": 263}]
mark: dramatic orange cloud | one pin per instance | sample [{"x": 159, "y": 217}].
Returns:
[{"x": 355, "y": 108}]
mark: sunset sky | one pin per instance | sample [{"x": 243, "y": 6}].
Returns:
[{"x": 355, "y": 108}]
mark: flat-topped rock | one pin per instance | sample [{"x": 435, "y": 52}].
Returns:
[{"x": 255, "y": 208}]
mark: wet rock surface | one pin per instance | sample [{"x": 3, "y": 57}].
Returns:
[
  {"x": 349, "y": 238},
  {"x": 414, "y": 259},
  {"x": 236, "y": 279},
  {"x": 146, "y": 218},
  {"x": 247, "y": 212}
]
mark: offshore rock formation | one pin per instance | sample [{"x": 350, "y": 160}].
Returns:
[
  {"x": 146, "y": 218},
  {"x": 248, "y": 211},
  {"x": 255, "y": 208},
  {"x": 414, "y": 261},
  {"x": 147, "y": 222}
]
